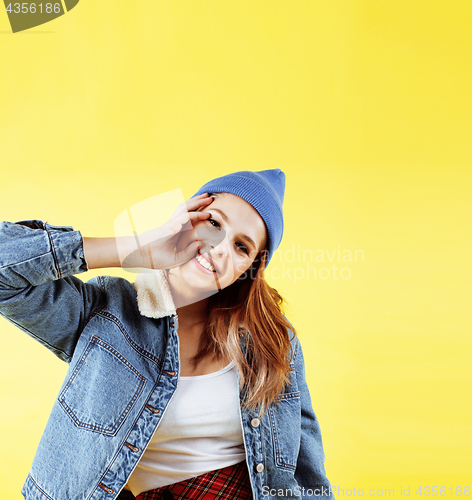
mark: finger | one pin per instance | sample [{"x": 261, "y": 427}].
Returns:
[
  {"x": 188, "y": 226},
  {"x": 183, "y": 222},
  {"x": 194, "y": 204},
  {"x": 191, "y": 216},
  {"x": 198, "y": 215},
  {"x": 203, "y": 195},
  {"x": 187, "y": 253}
]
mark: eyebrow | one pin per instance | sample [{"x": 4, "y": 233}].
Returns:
[{"x": 225, "y": 218}]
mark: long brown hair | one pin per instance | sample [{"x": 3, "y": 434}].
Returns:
[{"x": 245, "y": 322}]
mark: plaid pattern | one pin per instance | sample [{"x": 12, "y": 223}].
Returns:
[{"x": 230, "y": 483}]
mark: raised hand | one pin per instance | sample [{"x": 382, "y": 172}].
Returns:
[{"x": 155, "y": 249}]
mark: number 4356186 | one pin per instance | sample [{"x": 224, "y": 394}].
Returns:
[
  {"x": 442, "y": 491},
  {"x": 26, "y": 8}
]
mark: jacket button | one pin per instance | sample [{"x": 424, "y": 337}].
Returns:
[
  {"x": 255, "y": 422},
  {"x": 260, "y": 467}
]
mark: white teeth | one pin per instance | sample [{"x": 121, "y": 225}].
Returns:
[{"x": 205, "y": 263}]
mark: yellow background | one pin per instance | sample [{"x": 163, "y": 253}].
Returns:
[{"x": 365, "y": 104}]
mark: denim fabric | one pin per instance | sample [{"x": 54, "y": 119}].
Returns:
[{"x": 123, "y": 371}]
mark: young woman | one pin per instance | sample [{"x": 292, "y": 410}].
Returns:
[{"x": 189, "y": 383}]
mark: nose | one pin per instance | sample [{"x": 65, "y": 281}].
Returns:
[{"x": 220, "y": 250}]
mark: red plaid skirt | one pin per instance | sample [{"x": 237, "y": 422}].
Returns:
[{"x": 230, "y": 483}]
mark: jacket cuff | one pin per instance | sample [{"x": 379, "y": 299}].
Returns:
[{"x": 67, "y": 247}]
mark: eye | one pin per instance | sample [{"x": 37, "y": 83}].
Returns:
[
  {"x": 243, "y": 248},
  {"x": 214, "y": 223}
]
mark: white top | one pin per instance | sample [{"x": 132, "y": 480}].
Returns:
[{"x": 200, "y": 431}]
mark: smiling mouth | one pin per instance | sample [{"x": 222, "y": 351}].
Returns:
[
  {"x": 204, "y": 263},
  {"x": 209, "y": 267}
]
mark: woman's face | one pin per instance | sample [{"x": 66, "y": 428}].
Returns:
[{"x": 229, "y": 242}]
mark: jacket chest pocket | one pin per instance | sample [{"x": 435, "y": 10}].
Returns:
[
  {"x": 102, "y": 389},
  {"x": 285, "y": 423}
]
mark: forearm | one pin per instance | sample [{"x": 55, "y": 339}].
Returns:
[
  {"x": 101, "y": 253},
  {"x": 124, "y": 251}
]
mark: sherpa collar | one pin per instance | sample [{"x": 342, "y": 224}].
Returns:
[
  {"x": 154, "y": 295},
  {"x": 155, "y": 298}
]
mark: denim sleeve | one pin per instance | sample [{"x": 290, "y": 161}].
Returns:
[
  {"x": 38, "y": 292},
  {"x": 310, "y": 472}
]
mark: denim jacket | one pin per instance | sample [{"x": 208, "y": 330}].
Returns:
[{"x": 123, "y": 356}]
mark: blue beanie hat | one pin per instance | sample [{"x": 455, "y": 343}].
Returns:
[{"x": 264, "y": 190}]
